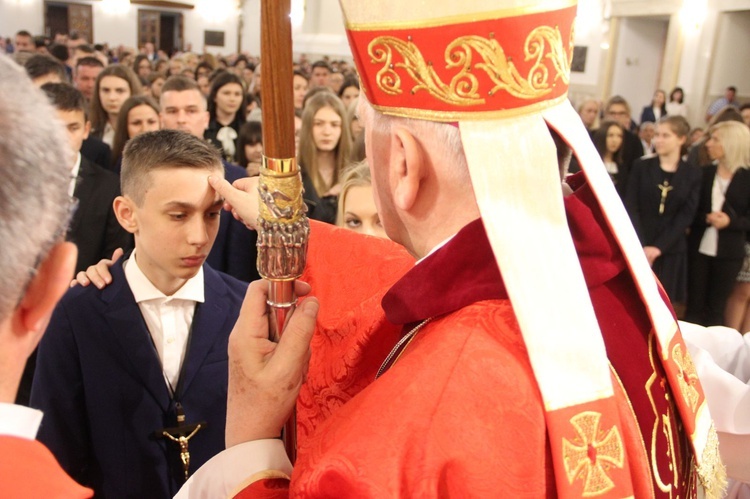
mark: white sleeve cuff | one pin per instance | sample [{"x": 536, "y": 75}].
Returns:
[
  {"x": 223, "y": 473},
  {"x": 19, "y": 421}
]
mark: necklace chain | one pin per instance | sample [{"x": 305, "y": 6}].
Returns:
[{"x": 400, "y": 347}]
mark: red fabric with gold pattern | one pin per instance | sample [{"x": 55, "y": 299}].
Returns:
[
  {"x": 28, "y": 470},
  {"x": 351, "y": 321},
  {"x": 464, "y": 65},
  {"x": 269, "y": 488},
  {"x": 438, "y": 422}
]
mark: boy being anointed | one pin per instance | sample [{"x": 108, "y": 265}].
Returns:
[{"x": 123, "y": 373}]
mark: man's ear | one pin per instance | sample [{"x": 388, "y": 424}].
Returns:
[
  {"x": 124, "y": 209},
  {"x": 408, "y": 167},
  {"x": 51, "y": 281},
  {"x": 206, "y": 119}
]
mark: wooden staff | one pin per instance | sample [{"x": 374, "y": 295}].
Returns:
[{"x": 283, "y": 229}]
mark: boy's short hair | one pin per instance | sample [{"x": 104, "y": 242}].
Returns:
[
  {"x": 40, "y": 65},
  {"x": 160, "y": 150},
  {"x": 65, "y": 97}
]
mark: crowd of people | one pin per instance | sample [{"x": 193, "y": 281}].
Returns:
[
  {"x": 686, "y": 192},
  {"x": 133, "y": 371}
]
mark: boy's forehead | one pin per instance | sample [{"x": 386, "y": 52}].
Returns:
[
  {"x": 165, "y": 178},
  {"x": 69, "y": 116}
]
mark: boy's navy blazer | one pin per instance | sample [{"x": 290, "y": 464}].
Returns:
[{"x": 100, "y": 384}]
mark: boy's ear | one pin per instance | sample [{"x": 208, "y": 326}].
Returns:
[
  {"x": 124, "y": 209},
  {"x": 86, "y": 130}
]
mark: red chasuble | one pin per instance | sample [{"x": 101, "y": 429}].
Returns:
[
  {"x": 459, "y": 412},
  {"x": 29, "y": 470}
]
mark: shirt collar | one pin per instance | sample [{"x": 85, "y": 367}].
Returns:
[
  {"x": 144, "y": 290},
  {"x": 74, "y": 175}
]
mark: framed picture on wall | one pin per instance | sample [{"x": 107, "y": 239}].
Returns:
[
  {"x": 578, "y": 65},
  {"x": 213, "y": 38}
]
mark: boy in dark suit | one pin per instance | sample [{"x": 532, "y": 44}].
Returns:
[
  {"x": 133, "y": 378},
  {"x": 94, "y": 227}
]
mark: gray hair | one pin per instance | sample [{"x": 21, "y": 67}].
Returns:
[
  {"x": 442, "y": 139},
  {"x": 34, "y": 180}
]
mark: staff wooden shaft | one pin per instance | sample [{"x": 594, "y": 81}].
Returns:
[{"x": 284, "y": 229}]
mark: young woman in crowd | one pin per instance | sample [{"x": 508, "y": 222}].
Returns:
[
  {"x": 357, "y": 209},
  {"x": 299, "y": 86},
  {"x": 349, "y": 91},
  {"x": 142, "y": 66},
  {"x": 354, "y": 126},
  {"x": 155, "y": 82},
  {"x": 608, "y": 139},
  {"x": 654, "y": 111},
  {"x": 323, "y": 153},
  {"x": 719, "y": 231},
  {"x": 226, "y": 107},
  {"x": 113, "y": 87},
  {"x": 250, "y": 147},
  {"x": 676, "y": 105},
  {"x": 139, "y": 114},
  {"x": 662, "y": 197}
]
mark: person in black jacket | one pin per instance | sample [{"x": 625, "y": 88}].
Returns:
[
  {"x": 717, "y": 238},
  {"x": 662, "y": 197}
]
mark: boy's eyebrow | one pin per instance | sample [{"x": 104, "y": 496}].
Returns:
[{"x": 190, "y": 206}]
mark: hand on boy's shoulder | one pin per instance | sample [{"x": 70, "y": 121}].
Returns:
[{"x": 97, "y": 274}]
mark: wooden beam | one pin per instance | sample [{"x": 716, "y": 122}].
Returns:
[{"x": 163, "y": 3}]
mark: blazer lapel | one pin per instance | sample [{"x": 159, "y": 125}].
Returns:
[
  {"x": 125, "y": 319},
  {"x": 208, "y": 327},
  {"x": 83, "y": 191}
]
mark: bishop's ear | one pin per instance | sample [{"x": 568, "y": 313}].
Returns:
[
  {"x": 409, "y": 167},
  {"x": 51, "y": 280},
  {"x": 124, "y": 208}
]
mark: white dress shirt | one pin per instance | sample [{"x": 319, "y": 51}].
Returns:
[
  {"x": 74, "y": 176},
  {"x": 108, "y": 135},
  {"x": 709, "y": 244},
  {"x": 168, "y": 318}
]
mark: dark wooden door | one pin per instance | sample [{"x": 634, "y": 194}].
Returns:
[
  {"x": 65, "y": 17},
  {"x": 80, "y": 20},
  {"x": 148, "y": 27}
]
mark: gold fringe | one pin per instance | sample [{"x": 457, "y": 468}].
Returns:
[{"x": 711, "y": 471}]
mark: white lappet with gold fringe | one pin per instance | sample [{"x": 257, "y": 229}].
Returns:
[{"x": 500, "y": 70}]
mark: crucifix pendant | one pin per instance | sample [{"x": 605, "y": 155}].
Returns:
[
  {"x": 664, "y": 188},
  {"x": 183, "y": 441}
]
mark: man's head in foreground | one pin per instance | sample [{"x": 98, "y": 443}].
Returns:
[
  {"x": 34, "y": 211},
  {"x": 168, "y": 205}
]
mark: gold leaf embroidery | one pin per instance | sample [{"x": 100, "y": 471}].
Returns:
[
  {"x": 687, "y": 376},
  {"x": 542, "y": 44},
  {"x": 592, "y": 454}
]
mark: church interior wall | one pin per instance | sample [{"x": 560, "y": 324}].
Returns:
[{"x": 697, "y": 48}]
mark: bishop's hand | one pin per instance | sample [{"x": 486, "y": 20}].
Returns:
[
  {"x": 240, "y": 198},
  {"x": 265, "y": 377}
]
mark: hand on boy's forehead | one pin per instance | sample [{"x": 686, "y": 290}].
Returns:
[{"x": 185, "y": 187}]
